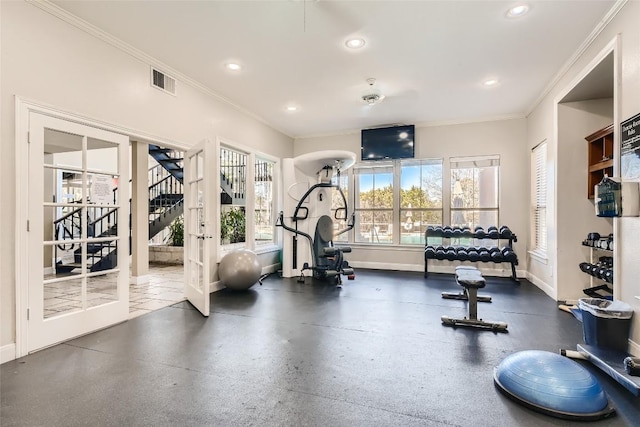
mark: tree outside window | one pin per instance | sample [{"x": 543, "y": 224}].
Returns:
[
  {"x": 474, "y": 191},
  {"x": 420, "y": 198}
]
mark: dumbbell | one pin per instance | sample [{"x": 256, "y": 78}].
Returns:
[
  {"x": 447, "y": 231},
  {"x": 585, "y": 267},
  {"x": 608, "y": 276},
  {"x": 462, "y": 254},
  {"x": 505, "y": 232},
  {"x": 485, "y": 255},
  {"x": 480, "y": 233},
  {"x": 600, "y": 272},
  {"x": 496, "y": 256},
  {"x": 440, "y": 254},
  {"x": 593, "y": 237},
  {"x": 450, "y": 254},
  {"x": 430, "y": 252},
  {"x": 493, "y": 233},
  {"x": 473, "y": 255},
  {"x": 509, "y": 255},
  {"x": 456, "y": 232}
]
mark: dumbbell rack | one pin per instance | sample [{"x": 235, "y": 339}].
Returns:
[
  {"x": 450, "y": 252},
  {"x": 596, "y": 270}
]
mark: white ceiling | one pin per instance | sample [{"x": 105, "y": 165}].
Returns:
[{"x": 429, "y": 57}]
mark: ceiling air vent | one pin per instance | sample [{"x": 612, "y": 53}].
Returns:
[{"x": 163, "y": 82}]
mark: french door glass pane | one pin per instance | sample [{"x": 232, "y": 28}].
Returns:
[
  {"x": 102, "y": 156},
  {"x": 102, "y": 289},
  {"x": 62, "y": 149},
  {"x": 62, "y": 297}
]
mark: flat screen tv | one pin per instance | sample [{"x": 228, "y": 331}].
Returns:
[{"x": 395, "y": 142}]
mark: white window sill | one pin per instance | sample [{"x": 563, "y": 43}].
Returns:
[
  {"x": 539, "y": 256},
  {"x": 260, "y": 249}
]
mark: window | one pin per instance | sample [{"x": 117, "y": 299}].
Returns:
[
  {"x": 474, "y": 191},
  {"x": 539, "y": 197},
  {"x": 374, "y": 204},
  {"x": 420, "y": 198},
  {"x": 263, "y": 205},
  {"x": 233, "y": 189}
]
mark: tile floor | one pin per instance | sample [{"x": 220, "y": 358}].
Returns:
[{"x": 163, "y": 289}]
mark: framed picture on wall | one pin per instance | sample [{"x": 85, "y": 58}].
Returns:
[{"x": 630, "y": 149}]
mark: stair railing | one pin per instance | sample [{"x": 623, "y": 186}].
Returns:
[
  {"x": 233, "y": 173},
  {"x": 165, "y": 191}
]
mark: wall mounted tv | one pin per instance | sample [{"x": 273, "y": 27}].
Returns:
[{"x": 396, "y": 142}]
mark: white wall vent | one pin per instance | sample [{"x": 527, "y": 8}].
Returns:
[{"x": 161, "y": 81}]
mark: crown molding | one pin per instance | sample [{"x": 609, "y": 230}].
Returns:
[
  {"x": 619, "y": 4},
  {"x": 138, "y": 54}
]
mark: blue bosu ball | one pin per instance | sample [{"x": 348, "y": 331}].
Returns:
[{"x": 552, "y": 384}]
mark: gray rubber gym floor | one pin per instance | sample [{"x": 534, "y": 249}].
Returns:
[{"x": 373, "y": 353}]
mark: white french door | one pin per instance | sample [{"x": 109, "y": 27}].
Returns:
[
  {"x": 78, "y": 230},
  {"x": 199, "y": 165}
]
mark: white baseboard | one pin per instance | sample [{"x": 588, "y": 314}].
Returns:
[
  {"x": 48, "y": 271},
  {"x": 7, "y": 353},
  {"x": 446, "y": 269},
  {"x": 544, "y": 287},
  {"x": 271, "y": 268},
  {"x": 138, "y": 280},
  {"x": 383, "y": 266},
  {"x": 634, "y": 348},
  {"x": 217, "y": 285}
]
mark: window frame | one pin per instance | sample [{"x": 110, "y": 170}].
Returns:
[
  {"x": 477, "y": 163},
  {"x": 539, "y": 172}
]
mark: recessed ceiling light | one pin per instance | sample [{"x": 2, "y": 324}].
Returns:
[
  {"x": 518, "y": 10},
  {"x": 355, "y": 43},
  {"x": 490, "y": 82},
  {"x": 292, "y": 108},
  {"x": 233, "y": 66}
]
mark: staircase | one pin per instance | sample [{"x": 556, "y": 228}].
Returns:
[{"x": 166, "y": 203}]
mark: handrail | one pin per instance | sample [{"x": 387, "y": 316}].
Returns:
[{"x": 164, "y": 185}]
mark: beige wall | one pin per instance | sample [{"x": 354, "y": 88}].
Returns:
[
  {"x": 505, "y": 137},
  {"x": 541, "y": 124},
  {"x": 53, "y": 62}
]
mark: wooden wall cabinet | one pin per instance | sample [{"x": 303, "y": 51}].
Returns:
[{"x": 600, "y": 155}]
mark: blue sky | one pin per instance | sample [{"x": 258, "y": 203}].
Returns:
[{"x": 410, "y": 177}]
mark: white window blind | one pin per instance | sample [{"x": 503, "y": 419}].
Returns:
[{"x": 539, "y": 196}]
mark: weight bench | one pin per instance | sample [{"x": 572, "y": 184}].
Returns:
[{"x": 471, "y": 280}]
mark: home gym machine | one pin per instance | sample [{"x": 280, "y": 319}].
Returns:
[{"x": 310, "y": 199}]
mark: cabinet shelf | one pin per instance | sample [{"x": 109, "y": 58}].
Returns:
[
  {"x": 600, "y": 157},
  {"x": 601, "y": 165}
]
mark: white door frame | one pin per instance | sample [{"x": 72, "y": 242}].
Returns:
[{"x": 23, "y": 108}]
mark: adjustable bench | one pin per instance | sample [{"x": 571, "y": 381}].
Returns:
[{"x": 471, "y": 280}]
